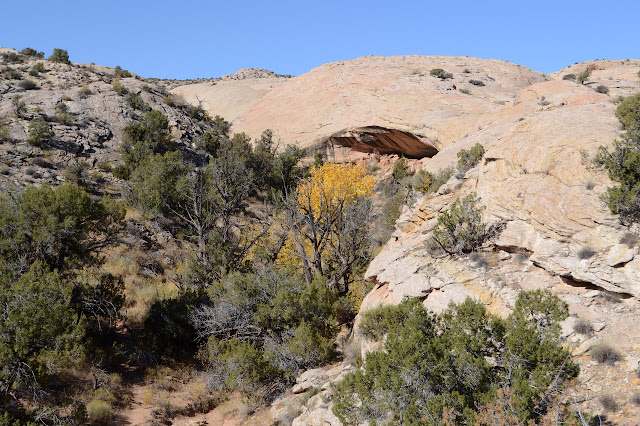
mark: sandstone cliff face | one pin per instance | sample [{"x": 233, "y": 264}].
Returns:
[
  {"x": 230, "y": 96},
  {"x": 390, "y": 92},
  {"x": 536, "y": 178}
]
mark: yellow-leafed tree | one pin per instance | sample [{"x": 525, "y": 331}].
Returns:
[{"x": 328, "y": 219}]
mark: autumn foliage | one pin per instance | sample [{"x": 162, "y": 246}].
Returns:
[
  {"x": 328, "y": 223},
  {"x": 331, "y": 186}
]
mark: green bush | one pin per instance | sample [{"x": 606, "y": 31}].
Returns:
[
  {"x": 12, "y": 57},
  {"x": 196, "y": 112},
  {"x": 440, "y": 73},
  {"x": 32, "y": 53},
  {"x": 467, "y": 159},
  {"x": 28, "y": 84},
  {"x": 76, "y": 173},
  {"x": 602, "y": 89},
  {"x": 628, "y": 112},
  {"x": 119, "y": 87},
  {"x": 99, "y": 411},
  {"x": 120, "y": 73},
  {"x": 401, "y": 169},
  {"x": 39, "y": 132},
  {"x": 141, "y": 139},
  {"x": 477, "y": 82},
  {"x": 623, "y": 163},
  {"x": 84, "y": 92},
  {"x": 36, "y": 343},
  {"x": 60, "y": 56},
  {"x": 5, "y": 133},
  {"x": 38, "y": 67},
  {"x": 71, "y": 225},
  {"x": 63, "y": 114},
  {"x": 569, "y": 77},
  {"x": 583, "y": 77},
  {"x": 19, "y": 106},
  {"x": 154, "y": 183},
  {"x": 168, "y": 332},
  {"x": 11, "y": 74},
  {"x": 422, "y": 181},
  {"x": 440, "y": 178},
  {"x": 266, "y": 327},
  {"x": 456, "y": 361},
  {"x": 460, "y": 228},
  {"x": 135, "y": 101}
]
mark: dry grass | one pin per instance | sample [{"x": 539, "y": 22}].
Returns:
[
  {"x": 609, "y": 403},
  {"x": 140, "y": 291},
  {"x": 583, "y": 327},
  {"x": 605, "y": 354},
  {"x": 99, "y": 411},
  {"x": 147, "y": 397}
]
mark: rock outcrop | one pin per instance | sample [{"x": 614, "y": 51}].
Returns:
[
  {"x": 228, "y": 98},
  {"x": 389, "y": 92},
  {"x": 87, "y": 115}
]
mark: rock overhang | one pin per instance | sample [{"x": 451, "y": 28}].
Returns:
[{"x": 384, "y": 140}]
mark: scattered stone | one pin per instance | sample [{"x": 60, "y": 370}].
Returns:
[
  {"x": 503, "y": 255},
  {"x": 620, "y": 253},
  {"x": 587, "y": 345}
]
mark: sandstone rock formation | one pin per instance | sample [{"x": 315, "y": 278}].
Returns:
[
  {"x": 229, "y": 98},
  {"x": 389, "y": 92}
]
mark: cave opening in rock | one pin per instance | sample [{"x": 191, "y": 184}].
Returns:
[{"x": 384, "y": 141}]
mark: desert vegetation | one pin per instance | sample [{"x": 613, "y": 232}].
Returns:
[
  {"x": 436, "y": 366},
  {"x": 184, "y": 266},
  {"x": 621, "y": 162}
]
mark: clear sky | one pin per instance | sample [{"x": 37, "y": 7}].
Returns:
[{"x": 192, "y": 39}]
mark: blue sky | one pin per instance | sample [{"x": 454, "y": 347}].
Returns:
[{"x": 192, "y": 39}]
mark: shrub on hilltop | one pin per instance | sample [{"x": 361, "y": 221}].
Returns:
[
  {"x": 60, "y": 56},
  {"x": 32, "y": 53},
  {"x": 440, "y": 73}
]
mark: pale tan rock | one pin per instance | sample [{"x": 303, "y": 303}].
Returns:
[
  {"x": 230, "y": 98},
  {"x": 587, "y": 345},
  {"x": 395, "y": 93},
  {"x": 620, "y": 253},
  {"x": 440, "y": 299},
  {"x": 321, "y": 416}
]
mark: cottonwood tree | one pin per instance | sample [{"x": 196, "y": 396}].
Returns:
[{"x": 328, "y": 222}]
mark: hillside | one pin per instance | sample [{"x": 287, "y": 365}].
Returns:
[
  {"x": 87, "y": 107},
  {"x": 540, "y": 134},
  {"x": 536, "y": 180}
]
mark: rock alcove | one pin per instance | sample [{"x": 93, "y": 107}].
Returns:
[{"x": 384, "y": 141}]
